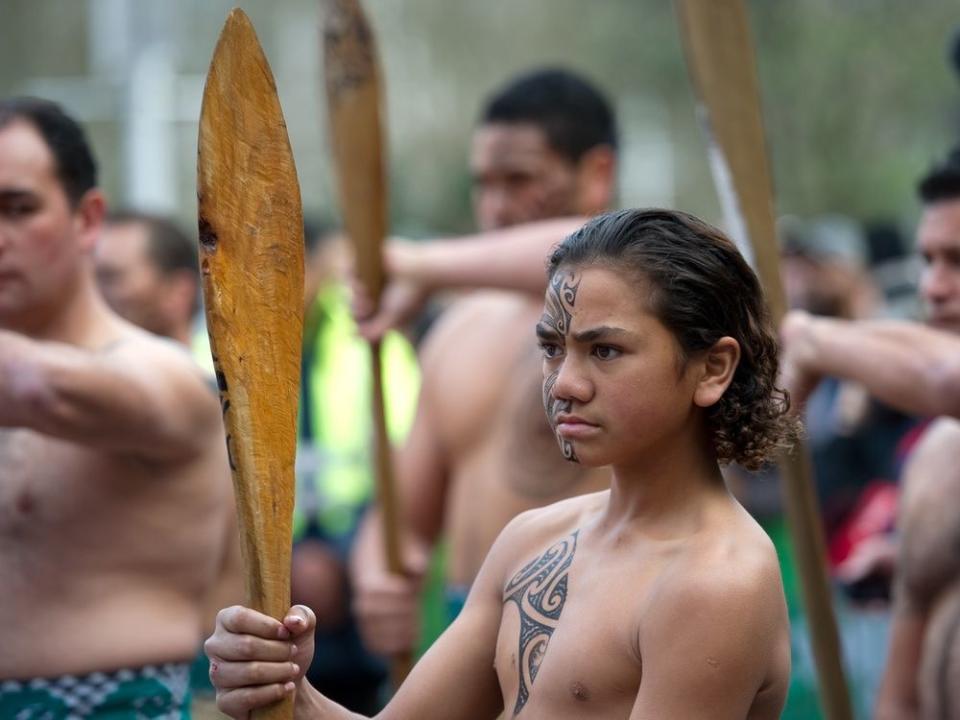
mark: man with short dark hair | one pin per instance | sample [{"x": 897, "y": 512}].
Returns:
[
  {"x": 114, "y": 508},
  {"x": 480, "y": 451},
  {"x": 147, "y": 270},
  {"x": 917, "y": 370}
]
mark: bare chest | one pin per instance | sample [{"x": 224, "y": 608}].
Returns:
[
  {"x": 566, "y": 646},
  {"x": 44, "y": 482}
]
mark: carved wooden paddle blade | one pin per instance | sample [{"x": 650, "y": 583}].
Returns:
[
  {"x": 354, "y": 96},
  {"x": 251, "y": 258},
  {"x": 719, "y": 53}
]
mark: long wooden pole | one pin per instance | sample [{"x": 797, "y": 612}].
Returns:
[
  {"x": 251, "y": 261},
  {"x": 719, "y": 52},
  {"x": 354, "y": 106}
]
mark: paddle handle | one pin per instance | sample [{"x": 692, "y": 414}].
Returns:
[{"x": 400, "y": 665}]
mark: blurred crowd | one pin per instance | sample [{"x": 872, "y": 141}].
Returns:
[{"x": 870, "y": 349}]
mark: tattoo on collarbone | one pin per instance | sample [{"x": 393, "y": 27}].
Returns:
[
  {"x": 539, "y": 590},
  {"x": 557, "y": 314}
]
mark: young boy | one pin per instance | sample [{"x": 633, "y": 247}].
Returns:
[{"x": 660, "y": 598}]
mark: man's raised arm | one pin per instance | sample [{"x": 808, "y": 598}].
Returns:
[
  {"x": 509, "y": 259},
  {"x": 909, "y": 366},
  {"x": 142, "y": 397}
]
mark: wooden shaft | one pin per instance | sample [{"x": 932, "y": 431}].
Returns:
[
  {"x": 386, "y": 495},
  {"x": 720, "y": 59},
  {"x": 251, "y": 260},
  {"x": 386, "y": 488},
  {"x": 354, "y": 99}
]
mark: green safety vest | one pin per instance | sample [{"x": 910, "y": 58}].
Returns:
[{"x": 335, "y": 475}]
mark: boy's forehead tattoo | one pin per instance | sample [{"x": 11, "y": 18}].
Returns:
[{"x": 561, "y": 297}]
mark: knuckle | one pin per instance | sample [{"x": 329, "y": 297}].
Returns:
[
  {"x": 246, "y": 646},
  {"x": 257, "y": 672}
]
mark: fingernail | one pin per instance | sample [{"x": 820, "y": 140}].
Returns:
[
  {"x": 293, "y": 650},
  {"x": 296, "y": 668},
  {"x": 289, "y": 687}
]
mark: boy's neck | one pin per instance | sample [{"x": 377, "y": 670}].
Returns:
[{"x": 663, "y": 495}]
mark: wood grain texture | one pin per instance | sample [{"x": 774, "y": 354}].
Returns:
[
  {"x": 251, "y": 259},
  {"x": 354, "y": 102},
  {"x": 720, "y": 58},
  {"x": 354, "y": 93}
]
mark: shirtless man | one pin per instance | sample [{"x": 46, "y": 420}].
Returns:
[
  {"x": 480, "y": 452},
  {"x": 916, "y": 369},
  {"x": 113, "y": 513},
  {"x": 659, "y": 598},
  {"x": 148, "y": 273}
]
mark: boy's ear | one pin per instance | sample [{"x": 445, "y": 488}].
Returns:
[{"x": 719, "y": 364}]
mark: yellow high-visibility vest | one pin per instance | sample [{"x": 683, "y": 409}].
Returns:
[{"x": 335, "y": 475}]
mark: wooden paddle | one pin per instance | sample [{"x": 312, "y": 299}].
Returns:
[
  {"x": 354, "y": 98},
  {"x": 719, "y": 53},
  {"x": 251, "y": 261}
]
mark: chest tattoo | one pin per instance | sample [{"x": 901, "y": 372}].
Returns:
[{"x": 540, "y": 592}]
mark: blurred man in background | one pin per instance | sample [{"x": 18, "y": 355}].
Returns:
[
  {"x": 113, "y": 505},
  {"x": 480, "y": 450},
  {"x": 852, "y": 437},
  {"x": 147, "y": 269},
  {"x": 148, "y": 272},
  {"x": 915, "y": 369}
]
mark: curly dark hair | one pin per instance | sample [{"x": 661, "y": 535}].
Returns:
[{"x": 700, "y": 287}]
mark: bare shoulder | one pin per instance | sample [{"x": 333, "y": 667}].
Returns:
[
  {"x": 933, "y": 462},
  {"x": 730, "y": 564},
  {"x": 726, "y": 588},
  {"x": 471, "y": 354},
  {"x": 928, "y": 521},
  {"x": 716, "y": 632},
  {"x": 481, "y": 316},
  {"x": 156, "y": 354},
  {"x": 165, "y": 373},
  {"x": 931, "y": 479}
]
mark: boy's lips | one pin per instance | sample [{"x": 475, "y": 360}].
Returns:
[
  {"x": 573, "y": 426},
  {"x": 571, "y": 419}
]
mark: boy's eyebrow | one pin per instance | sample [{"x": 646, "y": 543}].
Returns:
[
  {"x": 603, "y": 332},
  {"x": 545, "y": 332}
]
